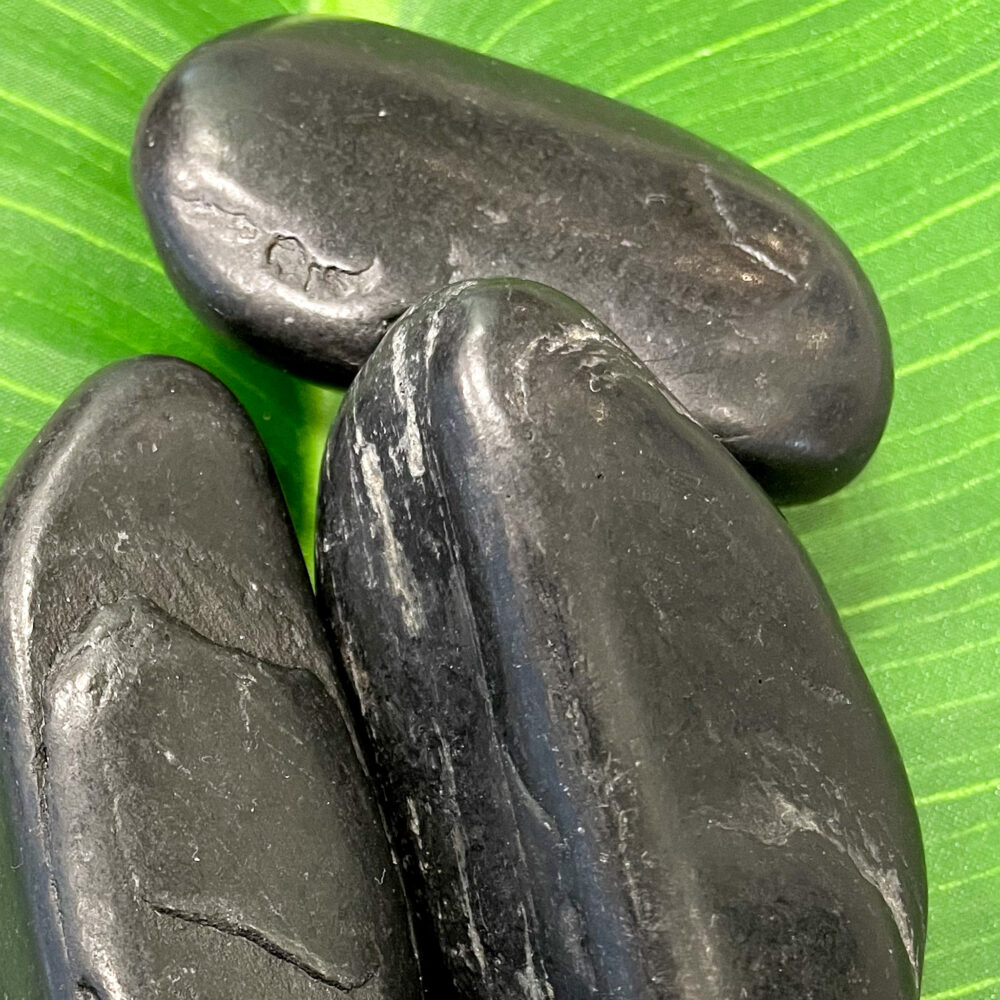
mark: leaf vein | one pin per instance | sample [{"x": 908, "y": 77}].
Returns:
[
  {"x": 40, "y": 215},
  {"x": 26, "y": 104},
  {"x": 757, "y": 31},
  {"x": 101, "y": 29},
  {"x": 841, "y": 131}
]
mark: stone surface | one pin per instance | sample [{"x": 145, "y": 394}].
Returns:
[
  {"x": 191, "y": 812},
  {"x": 306, "y": 181},
  {"x": 625, "y": 747}
]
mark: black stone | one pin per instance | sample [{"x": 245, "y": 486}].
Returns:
[
  {"x": 624, "y": 743},
  {"x": 305, "y": 181},
  {"x": 188, "y": 800}
]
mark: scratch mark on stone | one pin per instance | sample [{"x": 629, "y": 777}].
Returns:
[
  {"x": 297, "y": 265},
  {"x": 730, "y": 223},
  {"x": 541, "y": 814},
  {"x": 256, "y": 937},
  {"x": 222, "y": 221}
]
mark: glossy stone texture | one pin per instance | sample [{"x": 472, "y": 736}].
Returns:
[
  {"x": 192, "y": 815},
  {"x": 625, "y": 746},
  {"x": 305, "y": 181}
]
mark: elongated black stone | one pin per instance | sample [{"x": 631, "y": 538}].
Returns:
[
  {"x": 305, "y": 181},
  {"x": 191, "y": 812},
  {"x": 625, "y": 744}
]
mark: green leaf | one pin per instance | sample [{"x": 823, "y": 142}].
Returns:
[{"x": 883, "y": 114}]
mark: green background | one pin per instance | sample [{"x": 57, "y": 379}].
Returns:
[{"x": 882, "y": 115}]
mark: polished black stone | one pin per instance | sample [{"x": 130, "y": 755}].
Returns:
[
  {"x": 305, "y": 181},
  {"x": 624, "y": 744},
  {"x": 190, "y": 808}
]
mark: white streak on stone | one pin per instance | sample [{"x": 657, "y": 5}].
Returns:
[
  {"x": 447, "y": 770},
  {"x": 458, "y": 840},
  {"x": 533, "y": 987},
  {"x": 460, "y": 845},
  {"x": 414, "y": 822},
  {"x": 398, "y": 568},
  {"x": 460, "y": 261},
  {"x": 497, "y": 216},
  {"x": 410, "y": 440},
  {"x": 886, "y": 880},
  {"x": 430, "y": 338},
  {"x": 778, "y": 819},
  {"x": 244, "y": 683}
]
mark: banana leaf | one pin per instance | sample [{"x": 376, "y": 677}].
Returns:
[{"x": 883, "y": 114}]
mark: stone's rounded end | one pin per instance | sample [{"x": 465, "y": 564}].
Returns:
[
  {"x": 793, "y": 372},
  {"x": 845, "y": 394},
  {"x": 246, "y": 187},
  {"x": 821, "y": 424}
]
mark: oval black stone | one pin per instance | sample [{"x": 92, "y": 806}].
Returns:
[
  {"x": 192, "y": 815},
  {"x": 623, "y": 741},
  {"x": 306, "y": 181}
]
